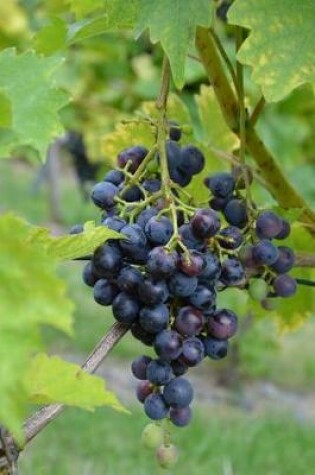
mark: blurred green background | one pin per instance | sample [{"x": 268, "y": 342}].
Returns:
[{"x": 255, "y": 411}]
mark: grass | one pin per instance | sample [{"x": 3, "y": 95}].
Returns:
[{"x": 224, "y": 442}]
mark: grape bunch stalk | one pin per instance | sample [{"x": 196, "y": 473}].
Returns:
[{"x": 163, "y": 277}]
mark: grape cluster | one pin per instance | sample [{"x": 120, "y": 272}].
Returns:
[{"x": 163, "y": 276}]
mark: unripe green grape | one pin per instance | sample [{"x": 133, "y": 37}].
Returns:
[
  {"x": 258, "y": 289},
  {"x": 167, "y": 455},
  {"x": 152, "y": 436}
]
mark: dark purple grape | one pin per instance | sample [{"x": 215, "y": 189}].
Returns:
[
  {"x": 179, "y": 368},
  {"x": 145, "y": 215},
  {"x": 105, "y": 292},
  {"x": 139, "y": 366},
  {"x": 235, "y": 213},
  {"x": 268, "y": 225},
  {"x": 135, "y": 239},
  {"x": 144, "y": 389},
  {"x": 205, "y": 223},
  {"x": 284, "y": 285},
  {"x": 174, "y": 157},
  {"x": 246, "y": 257},
  {"x": 159, "y": 372},
  {"x": 181, "y": 285},
  {"x": 189, "y": 239},
  {"x": 154, "y": 319},
  {"x": 232, "y": 272},
  {"x": 218, "y": 203},
  {"x": 159, "y": 230},
  {"x": 193, "y": 351},
  {"x": 193, "y": 160},
  {"x": 132, "y": 194},
  {"x": 89, "y": 278},
  {"x": 175, "y": 131},
  {"x": 212, "y": 269},
  {"x": 180, "y": 416},
  {"x": 152, "y": 293},
  {"x": 221, "y": 184},
  {"x": 265, "y": 253},
  {"x": 193, "y": 264},
  {"x": 114, "y": 222},
  {"x": 129, "y": 279},
  {"x": 222, "y": 324},
  {"x": 103, "y": 195},
  {"x": 214, "y": 348},
  {"x": 178, "y": 393},
  {"x": 180, "y": 177},
  {"x": 285, "y": 230},
  {"x": 203, "y": 297},
  {"x": 125, "y": 309},
  {"x": 155, "y": 407},
  {"x": 107, "y": 260},
  {"x": 152, "y": 185},
  {"x": 141, "y": 334},
  {"x": 133, "y": 155},
  {"x": 76, "y": 229},
  {"x": 161, "y": 263},
  {"x": 189, "y": 321},
  {"x": 233, "y": 237},
  {"x": 285, "y": 260},
  {"x": 168, "y": 345},
  {"x": 116, "y": 177}
]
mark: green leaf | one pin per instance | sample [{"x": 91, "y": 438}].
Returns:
[
  {"x": 52, "y": 380},
  {"x": 174, "y": 26},
  {"x": 73, "y": 246},
  {"x": 28, "y": 82},
  {"x": 281, "y": 44},
  {"x": 51, "y": 38},
  {"x": 5, "y": 111},
  {"x": 30, "y": 295},
  {"x": 81, "y": 8}
]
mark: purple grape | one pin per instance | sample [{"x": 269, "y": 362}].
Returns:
[
  {"x": 212, "y": 268},
  {"x": 181, "y": 285},
  {"x": 223, "y": 324},
  {"x": 235, "y": 213},
  {"x": 218, "y": 203},
  {"x": 205, "y": 223},
  {"x": 214, "y": 348},
  {"x": 125, "y": 309},
  {"x": 159, "y": 230},
  {"x": 232, "y": 272},
  {"x": 133, "y": 155},
  {"x": 265, "y": 253},
  {"x": 179, "y": 368},
  {"x": 152, "y": 185},
  {"x": 189, "y": 239},
  {"x": 139, "y": 366},
  {"x": 107, "y": 260},
  {"x": 285, "y": 230},
  {"x": 159, "y": 372},
  {"x": 168, "y": 345},
  {"x": 284, "y": 285},
  {"x": 268, "y": 225},
  {"x": 132, "y": 194},
  {"x": 221, "y": 184},
  {"x": 193, "y": 351},
  {"x": 114, "y": 222},
  {"x": 178, "y": 393},
  {"x": 193, "y": 264},
  {"x": 145, "y": 215},
  {"x": 285, "y": 260},
  {"x": 180, "y": 416},
  {"x": 233, "y": 237},
  {"x": 89, "y": 278},
  {"x": 105, "y": 292},
  {"x": 152, "y": 293},
  {"x": 135, "y": 239},
  {"x": 161, "y": 263},
  {"x": 175, "y": 131},
  {"x": 203, "y": 297},
  {"x": 189, "y": 321},
  {"x": 116, "y": 177},
  {"x": 129, "y": 279},
  {"x": 144, "y": 389},
  {"x": 155, "y": 407},
  {"x": 154, "y": 319},
  {"x": 142, "y": 335},
  {"x": 103, "y": 195},
  {"x": 193, "y": 160}
]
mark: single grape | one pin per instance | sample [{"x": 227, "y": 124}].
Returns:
[
  {"x": 232, "y": 272},
  {"x": 139, "y": 366},
  {"x": 77, "y": 229},
  {"x": 202, "y": 298},
  {"x": 205, "y": 223},
  {"x": 189, "y": 239},
  {"x": 152, "y": 293},
  {"x": 268, "y": 225},
  {"x": 145, "y": 215},
  {"x": 232, "y": 237},
  {"x": 144, "y": 388},
  {"x": 179, "y": 368},
  {"x": 193, "y": 160},
  {"x": 181, "y": 285},
  {"x": 222, "y": 324},
  {"x": 175, "y": 131},
  {"x": 105, "y": 292},
  {"x": 114, "y": 222},
  {"x": 103, "y": 195},
  {"x": 235, "y": 212},
  {"x": 218, "y": 203},
  {"x": 258, "y": 289},
  {"x": 246, "y": 257},
  {"x": 221, "y": 184},
  {"x": 285, "y": 260},
  {"x": 155, "y": 407},
  {"x": 161, "y": 263},
  {"x": 284, "y": 285},
  {"x": 89, "y": 278},
  {"x": 131, "y": 194},
  {"x": 152, "y": 436},
  {"x": 168, "y": 345},
  {"x": 152, "y": 185},
  {"x": 266, "y": 253},
  {"x": 116, "y": 177},
  {"x": 154, "y": 319},
  {"x": 133, "y": 155},
  {"x": 193, "y": 351},
  {"x": 167, "y": 456},
  {"x": 135, "y": 239},
  {"x": 212, "y": 268},
  {"x": 189, "y": 321},
  {"x": 193, "y": 264},
  {"x": 159, "y": 372},
  {"x": 107, "y": 260},
  {"x": 178, "y": 393},
  {"x": 125, "y": 308},
  {"x": 159, "y": 230},
  {"x": 141, "y": 334},
  {"x": 180, "y": 177},
  {"x": 214, "y": 348},
  {"x": 180, "y": 416},
  {"x": 285, "y": 230},
  {"x": 129, "y": 279}
]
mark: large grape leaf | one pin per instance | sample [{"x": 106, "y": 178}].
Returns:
[
  {"x": 281, "y": 44},
  {"x": 72, "y": 246},
  {"x": 174, "y": 24},
  {"x": 28, "y": 82},
  {"x": 30, "y": 295},
  {"x": 53, "y": 380}
]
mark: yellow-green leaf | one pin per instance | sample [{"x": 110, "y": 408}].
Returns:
[{"x": 51, "y": 37}]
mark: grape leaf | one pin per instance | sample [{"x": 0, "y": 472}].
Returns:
[
  {"x": 28, "y": 82},
  {"x": 51, "y": 37},
  {"x": 174, "y": 25},
  {"x": 5, "y": 111},
  {"x": 30, "y": 295},
  {"x": 72, "y": 246},
  {"x": 81, "y": 8},
  {"x": 53, "y": 380},
  {"x": 280, "y": 47}
]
